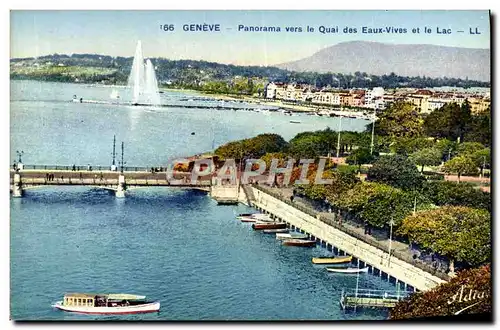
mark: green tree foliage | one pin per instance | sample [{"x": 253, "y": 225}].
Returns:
[
  {"x": 400, "y": 120},
  {"x": 448, "y": 148},
  {"x": 450, "y": 121},
  {"x": 427, "y": 157},
  {"x": 255, "y": 147},
  {"x": 341, "y": 182},
  {"x": 397, "y": 171},
  {"x": 457, "y": 232},
  {"x": 280, "y": 156},
  {"x": 310, "y": 146},
  {"x": 407, "y": 146},
  {"x": 469, "y": 148},
  {"x": 360, "y": 156},
  {"x": 479, "y": 129},
  {"x": 320, "y": 143},
  {"x": 460, "y": 165},
  {"x": 452, "y": 193},
  {"x": 472, "y": 286},
  {"x": 482, "y": 158},
  {"x": 376, "y": 204}
]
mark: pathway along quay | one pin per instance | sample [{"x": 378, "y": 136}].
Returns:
[{"x": 395, "y": 267}]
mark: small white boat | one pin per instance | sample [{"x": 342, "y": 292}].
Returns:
[
  {"x": 292, "y": 235},
  {"x": 256, "y": 218},
  {"x": 348, "y": 270},
  {"x": 114, "y": 94},
  {"x": 86, "y": 303}
]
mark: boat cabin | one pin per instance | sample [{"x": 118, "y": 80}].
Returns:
[
  {"x": 79, "y": 299},
  {"x": 102, "y": 300}
]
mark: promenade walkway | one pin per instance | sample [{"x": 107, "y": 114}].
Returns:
[{"x": 399, "y": 249}]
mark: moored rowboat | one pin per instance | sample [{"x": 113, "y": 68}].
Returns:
[
  {"x": 86, "y": 303},
  {"x": 299, "y": 242},
  {"x": 348, "y": 270},
  {"x": 291, "y": 235},
  {"x": 336, "y": 260},
  {"x": 256, "y": 218},
  {"x": 268, "y": 225},
  {"x": 272, "y": 231}
]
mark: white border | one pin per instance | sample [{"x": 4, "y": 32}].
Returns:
[{"x": 186, "y": 4}]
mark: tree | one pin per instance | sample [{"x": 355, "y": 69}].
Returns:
[
  {"x": 450, "y": 121},
  {"x": 479, "y": 129},
  {"x": 452, "y": 193},
  {"x": 254, "y": 147},
  {"x": 400, "y": 120},
  {"x": 427, "y": 157},
  {"x": 268, "y": 158},
  {"x": 482, "y": 158},
  {"x": 449, "y": 298},
  {"x": 397, "y": 171},
  {"x": 460, "y": 165},
  {"x": 457, "y": 232},
  {"x": 407, "y": 146},
  {"x": 468, "y": 148},
  {"x": 359, "y": 157}
]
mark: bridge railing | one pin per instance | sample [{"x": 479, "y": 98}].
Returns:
[
  {"x": 106, "y": 181},
  {"x": 86, "y": 168}
]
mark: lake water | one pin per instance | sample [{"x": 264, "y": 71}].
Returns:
[{"x": 173, "y": 245}]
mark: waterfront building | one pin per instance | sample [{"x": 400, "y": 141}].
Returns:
[
  {"x": 275, "y": 90},
  {"x": 479, "y": 105}
]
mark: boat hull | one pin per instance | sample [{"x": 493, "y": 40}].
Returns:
[
  {"x": 273, "y": 231},
  {"x": 299, "y": 242},
  {"x": 283, "y": 236},
  {"x": 270, "y": 225},
  {"x": 119, "y": 310},
  {"x": 348, "y": 270},
  {"x": 323, "y": 261}
]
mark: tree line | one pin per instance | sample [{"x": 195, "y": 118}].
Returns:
[{"x": 194, "y": 74}]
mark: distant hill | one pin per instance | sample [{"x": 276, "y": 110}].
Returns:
[
  {"x": 96, "y": 68},
  {"x": 405, "y": 60}
]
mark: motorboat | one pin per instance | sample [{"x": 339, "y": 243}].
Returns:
[
  {"x": 268, "y": 225},
  {"x": 348, "y": 270},
  {"x": 330, "y": 260},
  {"x": 272, "y": 231},
  {"x": 299, "y": 242},
  {"x": 256, "y": 218},
  {"x": 294, "y": 121},
  {"x": 88, "y": 303},
  {"x": 291, "y": 235}
]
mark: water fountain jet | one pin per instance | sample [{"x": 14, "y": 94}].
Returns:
[{"x": 142, "y": 80}]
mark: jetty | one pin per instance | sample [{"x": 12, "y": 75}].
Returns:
[{"x": 368, "y": 298}]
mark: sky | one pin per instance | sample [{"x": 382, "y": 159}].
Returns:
[{"x": 115, "y": 33}]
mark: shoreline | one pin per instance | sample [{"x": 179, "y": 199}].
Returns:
[{"x": 228, "y": 97}]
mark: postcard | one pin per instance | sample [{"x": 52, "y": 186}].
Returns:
[{"x": 250, "y": 165}]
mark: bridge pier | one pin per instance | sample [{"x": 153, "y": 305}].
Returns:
[
  {"x": 120, "y": 190},
  {"x": 17, "y": 190}
]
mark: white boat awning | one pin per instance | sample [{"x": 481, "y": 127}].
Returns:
[{"x": 125, "y": 296}]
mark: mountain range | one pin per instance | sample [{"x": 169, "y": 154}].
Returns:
[{"x": 403, "y": 59}]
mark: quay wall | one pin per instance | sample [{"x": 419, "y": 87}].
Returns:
[{"x": 367, "y": 254}]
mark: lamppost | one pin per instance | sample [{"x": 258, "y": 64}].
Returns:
[
  {"x": 390, "y": 240},
  {"x": 19, "y": 155},
  {"x": 338, "y": 137},
  {"x": 122, "y": 163},
  {"x": 373, "y": 131}
]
